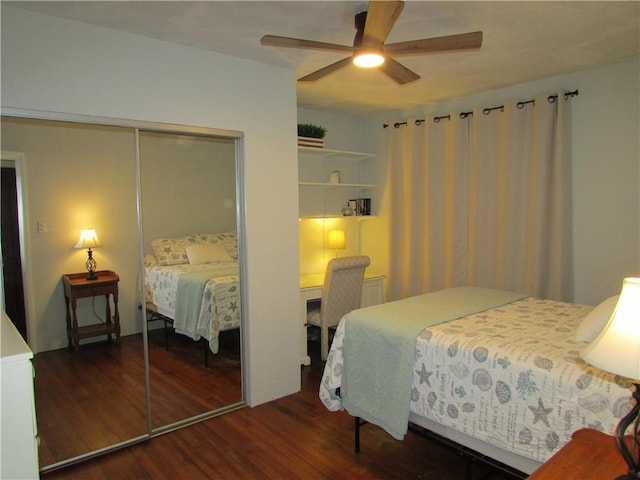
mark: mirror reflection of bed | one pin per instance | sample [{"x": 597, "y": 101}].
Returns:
[
  {"x": 189, "y": 223},
  {"x": 79, "y": 175}
]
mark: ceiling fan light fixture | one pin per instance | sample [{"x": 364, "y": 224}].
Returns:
[
  {"x": 368, "y": 59},
  {"x": 369, "y": 48}
]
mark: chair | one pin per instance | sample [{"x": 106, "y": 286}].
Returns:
[{"x": 341, "y": 294}]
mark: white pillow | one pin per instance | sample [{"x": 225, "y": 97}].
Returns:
[
  {"x": 208, "y": 253},
  {"x": 595, "y": 321}
]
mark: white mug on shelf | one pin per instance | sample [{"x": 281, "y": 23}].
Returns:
[{"x": 334, "y": 177}]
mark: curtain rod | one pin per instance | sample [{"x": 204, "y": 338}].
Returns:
[{"x": 486, "y": 111}]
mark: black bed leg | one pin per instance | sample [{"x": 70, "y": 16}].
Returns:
[
  {"x": 357, "y": 435},
  {"x": 166, "y": 334},
  {"x": 206, "y": 354}
]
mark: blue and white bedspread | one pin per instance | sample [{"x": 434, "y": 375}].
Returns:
[
  {"x": 218, "y": 310},
  {"x": 511, "y": 376}
]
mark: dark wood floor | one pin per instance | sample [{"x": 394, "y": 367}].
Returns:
[
  {"x": 95, "y": 397},
  {"x": 291, "y": 438}
]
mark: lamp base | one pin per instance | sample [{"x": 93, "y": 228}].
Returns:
[
  {"x": 91, "y": 266},
  {"x": 630, "y": 453}
]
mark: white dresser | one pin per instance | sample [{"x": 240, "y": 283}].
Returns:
[{"x": 19, "y": 441}]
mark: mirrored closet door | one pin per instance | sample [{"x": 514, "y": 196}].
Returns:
[
  {"x": 189, "y": 225},
  {"x": 136, "y": 184},
  {"x": 78, "y": 176}
]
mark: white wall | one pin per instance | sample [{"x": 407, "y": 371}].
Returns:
[
  {"x": 56, "y": 65},
  {"x": 606, "y": 172},
  {"x": 606, "y": 168},
  {"x": 344, "y": 131}
]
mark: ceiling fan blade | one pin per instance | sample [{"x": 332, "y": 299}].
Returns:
[
  {"x": 381, "y": 17},
  {"x": 448, "y": 44},
  {"x": 326, "y": 70},
  {"x": 398, "y": 72},
  {"x": 275, "y": 41}
]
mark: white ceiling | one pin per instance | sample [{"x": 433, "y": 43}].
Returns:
[{"x": 523, "y": 41}]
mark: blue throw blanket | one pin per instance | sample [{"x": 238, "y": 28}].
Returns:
[
  {"x": 379, "y": 349},
  {"x": 189, "y": 301}
]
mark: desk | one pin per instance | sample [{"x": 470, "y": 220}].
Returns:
[
  {"x": 589, "y": 455},
  {"x": 77, "y": 286},
  {"x": 311, "y": 289}
]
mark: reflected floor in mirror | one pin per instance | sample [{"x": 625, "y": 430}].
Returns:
[
  {"x": 294, "y": 437},
  {"x": 95, "y": 397},
  {"x": 182, "y": 386},
  {"x": 89, "y": 398}
]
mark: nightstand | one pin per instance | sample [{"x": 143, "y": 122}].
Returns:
[
  {"x": 589, "y": 455},
  {"x": 77, "y": 286}
]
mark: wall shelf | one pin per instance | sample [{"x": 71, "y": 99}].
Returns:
[
  {"x": 322, "y": 153},
  {"x": 337, "y": 185},
  {"x": 318, "y": 198},
  {"x": 340, "y": 217}
]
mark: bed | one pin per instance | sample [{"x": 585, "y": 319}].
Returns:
[
  {"x": 193, "y": 282},
  {"x": 497, "y": 372}
]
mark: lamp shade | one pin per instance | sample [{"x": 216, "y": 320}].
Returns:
[
  {"x": 336, "y": 240},
  {"x": 88, "y": 239},
  {"x": 617, "y": 348}
]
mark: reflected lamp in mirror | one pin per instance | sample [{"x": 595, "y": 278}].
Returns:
[
  {"x": 89, "y": 239},
  {"x": 336, "y": 240},
  {"x": 617, "y": 350}
]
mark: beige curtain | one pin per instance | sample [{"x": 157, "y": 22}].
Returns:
[
  {"x": 483, "y": 201},
  {"x": 428, "y": 211}
]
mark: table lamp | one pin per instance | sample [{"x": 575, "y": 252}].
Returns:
[
  {"x": 336, "y": 240},
  {"x": 617, "y": 350},
  {"x": 89, "y": 239}
]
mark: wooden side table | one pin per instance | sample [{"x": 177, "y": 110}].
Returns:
[
  {"x": 77, "y": 286},
  {"x": 589, "y": 455}
]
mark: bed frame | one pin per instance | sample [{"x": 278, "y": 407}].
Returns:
[
  {"x": 153, "y": 316},
  {"x": 471, "y": 449}
]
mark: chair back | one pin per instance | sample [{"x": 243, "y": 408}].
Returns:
[{"x": 342, "y": 288}]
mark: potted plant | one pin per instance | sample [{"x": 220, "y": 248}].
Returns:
[{"x": 311, "y": 135}]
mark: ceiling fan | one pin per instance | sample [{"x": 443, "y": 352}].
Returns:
[{"x": 369, "y": 50}]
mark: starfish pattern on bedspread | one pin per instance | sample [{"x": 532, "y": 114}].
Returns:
[
  {"x": 540, "y": 413},
  {"x": 424, "y": 375}
]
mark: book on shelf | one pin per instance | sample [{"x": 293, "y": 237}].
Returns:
[{"x": 361, "y": 206}]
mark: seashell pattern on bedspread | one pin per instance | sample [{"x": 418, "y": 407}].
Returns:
[
  {"x": 511, "y": 376},
  {"x": 528, "y": 389},
  {"x": 220, "y": 308}
]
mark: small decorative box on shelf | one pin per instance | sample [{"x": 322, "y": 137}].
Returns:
[{"x": 311, "y": 142}]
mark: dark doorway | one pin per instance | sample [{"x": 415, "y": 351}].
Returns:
[{"x": 11, "y": 259}]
